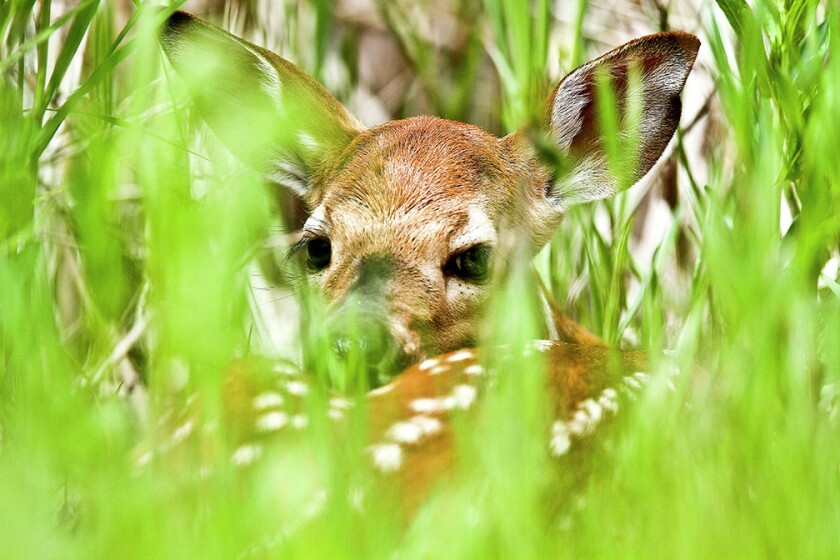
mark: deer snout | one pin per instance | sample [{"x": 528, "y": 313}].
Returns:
[
  {"x": 364, "y": 341},
  {"x": 359, "y": 325}
]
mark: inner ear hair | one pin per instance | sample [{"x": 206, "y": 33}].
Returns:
[{"x": 649, "y": 72}]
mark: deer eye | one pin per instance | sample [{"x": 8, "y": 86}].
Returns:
[
  {"x": 472, "y": 264},
  {"x": 318, "y": 253}
]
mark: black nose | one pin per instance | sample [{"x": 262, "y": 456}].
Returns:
[{"x": 363, "y": 341}]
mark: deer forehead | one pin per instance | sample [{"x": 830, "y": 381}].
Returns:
[
  {"x": 423, "y": 168},
  {"x": 429, "y": 233}
]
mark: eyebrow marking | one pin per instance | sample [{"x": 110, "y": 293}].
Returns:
[{"x": 479, "y": 230}]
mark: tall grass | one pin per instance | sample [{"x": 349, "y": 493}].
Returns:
[{"x": 125, "y": 246}]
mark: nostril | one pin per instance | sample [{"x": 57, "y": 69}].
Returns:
[
  {"x": 342, "y": 346},
  {"x": 366, "y": 343},
  {"x": 371, "y": 343},
  {"x": 345, "y": 346}
]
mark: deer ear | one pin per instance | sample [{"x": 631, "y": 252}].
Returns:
[
  {"x": 267, "y": 111},
  {"x": 645, "y": 78}
]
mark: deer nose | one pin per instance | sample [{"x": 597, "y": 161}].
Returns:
[
  {"x": 364, "y": 341},
  {"x": 358, "y": 325}
]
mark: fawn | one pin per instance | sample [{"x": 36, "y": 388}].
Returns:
[{"x": 406, "y": 220}]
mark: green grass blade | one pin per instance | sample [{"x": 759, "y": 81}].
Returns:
[{"x": 736, "y": 11}]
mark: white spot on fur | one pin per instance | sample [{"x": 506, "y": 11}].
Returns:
[
  {"x": 427, "y": 364},
  {"x": 340, "y": 403},
  {"x": 269, "y": 399},
  {"x": 474, "y": 369},
  {"x": 285, "y": 369},
  {"x": 182, "y": 432},
  {"x": 297, "y": 388},
  {"x": 300, "y": 421},
  {"x": 432, "y": 405},
  {"x": 384, "y": 390},
  {"x": 405, "y": 432},
  {"x": 437, "y": 370},
  {"x": 560, "y": 438},
  {"x": 272, "y": 421},
  {"x": 464, "y": 396},
  {"x": 632, "y": 383},
  {"x": 387, "y": 457},
  {"x": 592, "y": 409},
  {"x": 415, "y": 428},
  {"x": 581, "y": 424},
  {"x": 461, "y": 356},
  {"x": 246, "y": 454},
  {"x": 609, "y": 400},
  {"x": 609, "y": 393}
]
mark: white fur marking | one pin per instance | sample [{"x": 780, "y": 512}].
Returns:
[
  {"x": 609, "y": 400},
  {"x": 426, "y": 364},
  {"x": 581, "y": 424},
  {"x": 269, "y": 399},
  {"x": 415, "y": 428},
  {"x": 183, "y": 431},
  {"x": 461, "y": 356},
  {"x": 272, "y": 421},
  {"x": 285, "y": 369},
  {"x": 474, "y": 369},
  {"x": 432, "y": 405},
  {"x": 340, "y": 403},
  {"x": 385, "y": 389},
  {"x": 405, "y": 432},
  {"x": 437, "y": 370},
  {"x": 297, "y": 388},
  {"x": 479, "y": 230},
  {"x": 387, "y": 457},
  {"x": 464, "y": 396},
  {"x": 560, "y": 438},
  {"x": 632, "y": 383},
  {"x": 300, "y": 421},
  {"x": 592, "y": 409},
  {"x": 246, "y": 454}
]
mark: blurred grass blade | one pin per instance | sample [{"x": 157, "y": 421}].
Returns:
[
  {"x": 736, "y": 12},
  {"x": 17, "y": 180},
  {"x": 42, "y": 35},
  {"x": 69, "y": 50}
]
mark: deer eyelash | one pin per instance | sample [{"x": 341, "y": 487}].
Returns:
[{"x": 296, "y": 248}]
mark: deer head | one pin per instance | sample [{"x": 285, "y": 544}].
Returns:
[{"x": 407, "y": 218}]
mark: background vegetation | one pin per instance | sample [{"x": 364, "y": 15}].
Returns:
[{"x": 127, "y": 283}]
